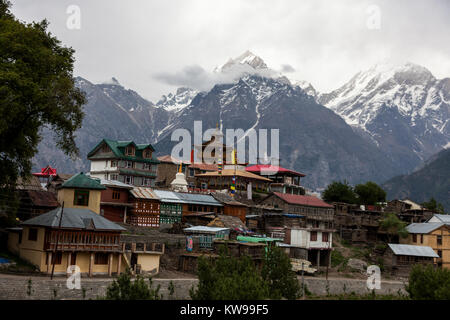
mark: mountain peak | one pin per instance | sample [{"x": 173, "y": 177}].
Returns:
[
  {"x": 112, "y": 81},
  {"x": 248, "y": 58}
]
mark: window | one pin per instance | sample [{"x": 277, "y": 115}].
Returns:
[
  {"x": 32, "y": 234},
  {"x": 129, "y": 179},
  {"x": 129, "y": 164},
  {"x": 414, "y": 237},
  {"x": 129, "y": 151},
  {"x": 116, "y": 195},
  {"x": 439, "y": 240},
  {"x": 313, "y": 236},
  {"x": 191, "y": 172},
  {"x": 439, "y": 252},
  {"x": 147, "y": 166},
  {"x": 81, "y": 198},
  {"x": 113, "y": 163},
  {"x": 146, "y": 182},
  {"x": 148, "y": 154},
  {"x": 324, "y": 236},
  {"x": 204, "y": 185},
  {"x": 101, "y": 258},
  {"x": 114, "y": 177},
  {"x": 421, "y": 238}
]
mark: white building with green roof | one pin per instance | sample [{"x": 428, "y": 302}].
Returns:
[{"x": 124, "y": 161}]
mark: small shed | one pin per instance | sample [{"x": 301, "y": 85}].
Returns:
[
  {"x": 400, "y": 258},
  {"x": 205, "y": 235}
]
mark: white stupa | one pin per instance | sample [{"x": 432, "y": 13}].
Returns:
[{"x": 179, "y": 183}]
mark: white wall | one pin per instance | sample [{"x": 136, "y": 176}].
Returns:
[{"x": 301, "y": 238}]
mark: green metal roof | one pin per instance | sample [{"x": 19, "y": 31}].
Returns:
[
  {"x": 137, "y": 172},
  {"x": 118, "y": 148},
  {"x": 257, "y": 239},
  {"x": 82, "y": 181}
]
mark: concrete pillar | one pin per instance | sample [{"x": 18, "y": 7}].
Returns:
[
  {"x": 110, "y": 261},
  {"x": 318, "y": 259},
  {"x": 125, "y": 215},
  {"x": 69, "y": 258},
  {"x": 91, "y": 262},
  {"x": 119, "y": 262},
  {"x": 329, "y": 258},
  {"x": 49, "y": 262}
]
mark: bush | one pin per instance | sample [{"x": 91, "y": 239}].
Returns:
[
  {"x": 429, "y": 283},
  {"x": 277, "y": 271},
  {"x": 229, "y": 278},
  {"x": 125, "y": 289},
  {"x": 337, "y": 259}
]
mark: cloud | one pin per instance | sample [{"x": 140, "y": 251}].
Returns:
[{"x": 287, "y": 68}]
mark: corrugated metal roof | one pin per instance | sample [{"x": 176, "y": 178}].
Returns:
[
  {"x": 410, "y": 250},
  {"x": 143, "y": 193},
  {"x": 424, "y": 228},
  {"x": 441, "y": 217},
  {"x": 197, "y": 198},
  {"x": 205, "y": 229},
  {"x": 167, "y": 196},
  {"x": 73, "y": 218},
  {"x": 115, "y": 184}
]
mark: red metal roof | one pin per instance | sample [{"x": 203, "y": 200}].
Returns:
[
  {"x": 303, "y": 200},
  {"x": 46, "y": 172},
  {"x": 267, "y": 169}
]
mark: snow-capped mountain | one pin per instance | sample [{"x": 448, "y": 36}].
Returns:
[
  {"x": 178, "y": 101},
  {"x": 404, "y": 109},
  {"x": 394, "y": 117}
]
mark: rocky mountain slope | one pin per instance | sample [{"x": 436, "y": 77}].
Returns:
[
  {"x": 431, "y": 180},
  {"x": 404, "y": 109}
]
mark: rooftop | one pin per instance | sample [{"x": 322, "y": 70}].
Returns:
[
  {"x": 310, "y": 201},
  {"x": 423, "y": 228},
  {"x": 410, "y": 250},
  {"x": 73, "y": 218},
  {"x": 269, "y": 170},
  {"x": 232, "y": 172},
  {"x": 82, "y": 181}
]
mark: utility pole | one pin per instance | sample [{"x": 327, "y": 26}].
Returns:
[
  {"x": 303, "y": 282},
  {"x": 56, "y": 244}
]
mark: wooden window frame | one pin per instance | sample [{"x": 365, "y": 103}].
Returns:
[
  {"x": 116, "y": 195},
  {"x": 82, "y": 192},
  {"x": 101, "y": 258},
  {"x": 313, "y": 236},
  {"x": 33, "y": 236},
  {"x": 325, "y": 237}
]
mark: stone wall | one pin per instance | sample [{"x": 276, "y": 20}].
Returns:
[{"x": 17, "y": 287}]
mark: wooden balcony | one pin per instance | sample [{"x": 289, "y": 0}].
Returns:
[{"x": 143, "y": 247}]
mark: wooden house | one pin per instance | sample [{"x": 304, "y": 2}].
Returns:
[
  {"x": 432, "y": 234},
  {"x": 400, "y": 258},
  {"x": 124, "y": 161},
  {"x": 145, "y": 208},
  {"x": 283, "y": 180},
  {"x": 231, "y": 207}
]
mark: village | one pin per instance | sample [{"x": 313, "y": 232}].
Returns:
[{"x": 156, "y": 216}]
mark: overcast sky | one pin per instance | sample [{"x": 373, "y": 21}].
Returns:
[{"x": 323, "y": 42}]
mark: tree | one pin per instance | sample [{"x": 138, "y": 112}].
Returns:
[
  {"x": 429, "y": 283},
  {"x": 37, "y": 90},
  {"x": 125, "y": 289},
  {"x": 277, "y": 271},
  {"x": 434, "y": 206},
  {"x": 339, "y": 192},
  {"x": 229, "y": 278},
  {"x": 393, "y": 226},
  {"x": 370, "y": 193}
]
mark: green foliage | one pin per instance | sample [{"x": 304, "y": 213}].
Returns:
[
  {"x": 434, "y": 206},
  {"x": 125, "y": 289},
  {"x": 370, "y": 193},
  {"x": 229, "y": 278},
  {"x": 37, "y": 90},
  {"x": 338, "y": 259},
  {"x": 429, "y": 283},
  {"x": 277, "y": 271},
  {"x": 339, "y": 192},
  {"x": 392, "y": 225},
  {"x": 171, "y": 289}
]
